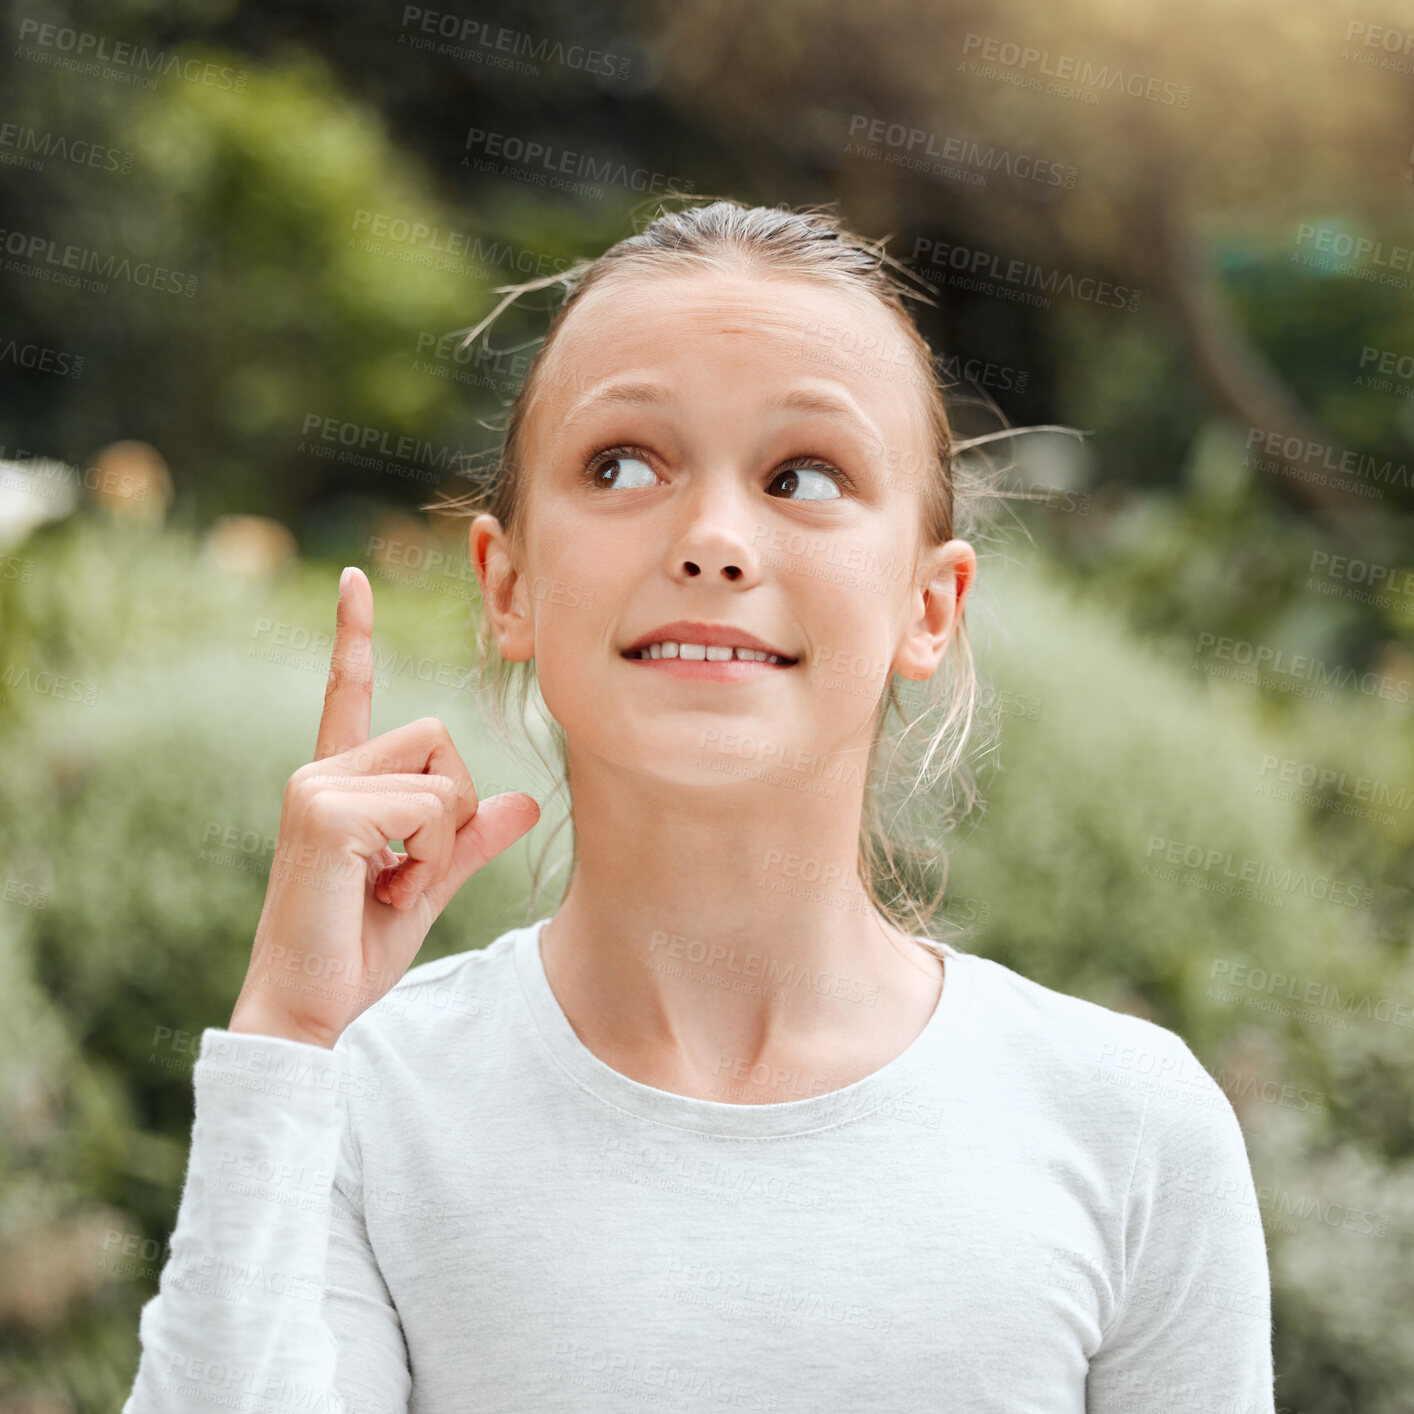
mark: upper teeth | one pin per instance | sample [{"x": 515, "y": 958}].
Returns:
[{"x": 670, "y": 648}]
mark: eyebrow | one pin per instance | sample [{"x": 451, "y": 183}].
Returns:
[
  {"x": 813, "y": 400},
  {"x": 823, "y": 403},
  {"x": 618, "y": 392}
]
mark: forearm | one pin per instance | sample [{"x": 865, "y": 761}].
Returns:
[{"x": 239, "y": 1307}]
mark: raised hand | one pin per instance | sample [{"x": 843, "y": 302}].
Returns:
[{"x": 344, "y": 913}]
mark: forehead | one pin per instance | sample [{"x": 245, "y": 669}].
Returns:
[{"x": 747, "y": 333}]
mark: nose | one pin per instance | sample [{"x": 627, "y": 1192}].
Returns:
[{"x": 716, "y": 538}]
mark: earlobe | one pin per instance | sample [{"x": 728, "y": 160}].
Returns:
[
  {"x": 912, "y": 663},
  {"x": 915, "y": 671}
]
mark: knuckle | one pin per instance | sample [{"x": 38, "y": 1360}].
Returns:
[
  {"x": 429, "y": 801},
  {"x": 322, "y": 813},
  {"x": 446, "y": 789},
  {"x": 365, "y": 760},
  {"x": 436, "y": 728},
  {"x": 298, "y": 787}
]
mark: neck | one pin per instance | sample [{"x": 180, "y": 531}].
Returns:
[{"x": 711, "y": 934}]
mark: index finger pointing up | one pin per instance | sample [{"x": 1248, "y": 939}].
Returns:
[{"x": 348, "y": 699}]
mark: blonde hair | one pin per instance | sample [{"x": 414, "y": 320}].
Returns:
[{"x": 903, "y": 867}]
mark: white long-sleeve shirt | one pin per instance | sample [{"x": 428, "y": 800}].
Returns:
[{"x": 1040, "y": 1206}]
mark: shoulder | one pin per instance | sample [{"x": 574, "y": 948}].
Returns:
[
  {"x": 1063, "y": 1029},
  {"x": 1127, "y": 1088},
  {"x": 1101, "y": 1064},
  {"x": 435, "y": 1006}
]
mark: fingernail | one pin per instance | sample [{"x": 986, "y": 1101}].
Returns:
[{"x": 344, "y": 578}]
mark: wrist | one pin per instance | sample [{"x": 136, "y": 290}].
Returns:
[{"x": 251, "y": 1018}]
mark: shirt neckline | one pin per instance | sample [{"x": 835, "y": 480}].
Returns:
[{"x": 722, "y": 1117}]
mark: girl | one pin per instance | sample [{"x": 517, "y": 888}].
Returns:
[{"x": 729, "y": 1129}]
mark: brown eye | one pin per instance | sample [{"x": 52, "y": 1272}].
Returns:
[
  {"x": 817, "y": 482},
  {"x": 618, "y": 468}
]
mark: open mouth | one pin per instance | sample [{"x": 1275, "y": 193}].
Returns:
[{"x": 706, "y": 653}]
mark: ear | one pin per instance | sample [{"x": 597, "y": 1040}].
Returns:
[
  {"x": 946, "y": 574},
  {"x": 503, "y": 589}
]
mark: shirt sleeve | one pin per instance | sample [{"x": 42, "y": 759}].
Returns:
[
  {"x": 1191, "y": 1331},
  {"x": 271, "y": 1297}
]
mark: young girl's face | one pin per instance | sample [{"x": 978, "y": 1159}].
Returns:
[{"x": 743, "y": 453}]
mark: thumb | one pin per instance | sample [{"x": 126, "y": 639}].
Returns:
[{"x": 498, "y": 823}]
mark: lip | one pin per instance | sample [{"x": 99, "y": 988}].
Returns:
[{"x": 711, "y": 636}]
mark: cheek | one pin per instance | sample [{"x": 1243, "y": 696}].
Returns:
[
  {"x": 854, "y": 668},
  {"x": 590, "y": 556},
  {"x": 572, "y": 666},
  {"x": 568, "y": 605},
  {"x": 563, "y": 551},
  {"x": 856, "y": 613}
]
